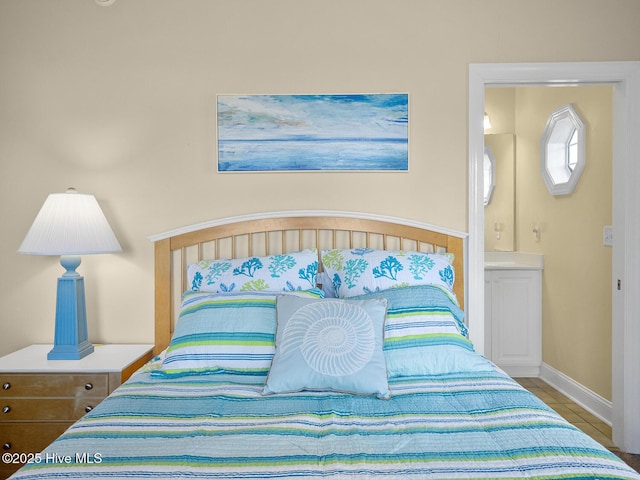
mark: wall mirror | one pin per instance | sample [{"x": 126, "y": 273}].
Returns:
[{"x": 499, "y": 212}]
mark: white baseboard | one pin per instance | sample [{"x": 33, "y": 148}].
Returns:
[{"x": 587, "y": 399}]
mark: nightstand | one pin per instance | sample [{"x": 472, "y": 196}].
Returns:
[{"x": 40, "y": 398}]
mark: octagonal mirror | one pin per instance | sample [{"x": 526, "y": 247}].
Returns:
[{"x": 563, "y": 151}]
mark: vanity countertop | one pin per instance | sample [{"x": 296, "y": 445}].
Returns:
[{"x": 513, "y": 261}]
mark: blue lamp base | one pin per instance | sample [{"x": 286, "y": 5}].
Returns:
[{"x": 71, "y": 334}]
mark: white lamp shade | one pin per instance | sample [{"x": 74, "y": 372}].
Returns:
[{"x": 70, "y": 224}]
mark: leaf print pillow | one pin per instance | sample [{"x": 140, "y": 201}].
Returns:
[
  {"x": 275, "y": 273},
  {"x": 364, "y": 270}
]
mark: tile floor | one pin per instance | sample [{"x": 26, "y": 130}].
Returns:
[{"x": 576, "y": 415}]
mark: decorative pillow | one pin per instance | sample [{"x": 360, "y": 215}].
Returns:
[
  {"x": 425, "y": 334},
  {"x": 329, "y": 344},
  {"x": 224, "y": 334},
  {"x": 363, "y": 270},
  {"x": 276, "y": 273}
]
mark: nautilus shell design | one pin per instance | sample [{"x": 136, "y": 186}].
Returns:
[{"x": 334, "y": 338}]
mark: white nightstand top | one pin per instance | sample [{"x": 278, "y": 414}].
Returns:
[{"x": 105, "y": 358}]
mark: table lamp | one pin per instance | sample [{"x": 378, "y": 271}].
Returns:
[{"x": 70, "y": 224}]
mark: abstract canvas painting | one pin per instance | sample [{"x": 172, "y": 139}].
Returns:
[{"x": 259, "y": 133}]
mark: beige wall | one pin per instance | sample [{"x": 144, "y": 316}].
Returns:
[
  {"x": 576, "y": 291},
  {"x": 120, "y": 102}
]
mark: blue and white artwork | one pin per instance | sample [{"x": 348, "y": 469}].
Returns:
[{"x": 258, "y": 133}]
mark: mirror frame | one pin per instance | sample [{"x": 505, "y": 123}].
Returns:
[
  {"x": 488, "y": 157},
  {"x": 554, "y": 167}
]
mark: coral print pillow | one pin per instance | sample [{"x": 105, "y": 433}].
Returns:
[
  {"x": 276, "y": 273},
  {"x": 364, "y": 270}
]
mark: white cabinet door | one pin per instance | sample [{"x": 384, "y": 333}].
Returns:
[{"x": 515, "y": 317}]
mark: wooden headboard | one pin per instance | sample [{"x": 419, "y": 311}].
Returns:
[{"x": 271, "y": 234}]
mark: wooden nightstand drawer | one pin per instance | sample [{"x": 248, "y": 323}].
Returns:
[
  {"x": 51, "y": 409},
  {"x": 53, "y": 385},
  {"x": 31, "y": 437},
  {"x": 26, "y": 438}
]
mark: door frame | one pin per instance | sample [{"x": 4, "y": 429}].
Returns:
[{"x": 625, "y": 79}]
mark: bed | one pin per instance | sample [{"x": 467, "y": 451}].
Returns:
[{"x": 318, "y": 344}]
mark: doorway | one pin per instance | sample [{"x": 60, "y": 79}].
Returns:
[{"x": 625, "y": 79}]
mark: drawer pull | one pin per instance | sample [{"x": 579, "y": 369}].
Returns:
[
  {"x": 6, "y": 409},
  {"x": 88, "y": 386},
  {"x": 6, "y": 446},
  {"x": 6, "y": 386},
  {"x": 88, "y": 408}
]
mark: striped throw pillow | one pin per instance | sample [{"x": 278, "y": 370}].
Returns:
[
  {"x": 424, "y": 333},
  {"x": 224, "y": 334}
]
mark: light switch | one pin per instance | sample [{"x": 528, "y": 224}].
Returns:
[{"x": 607, "y": 236}]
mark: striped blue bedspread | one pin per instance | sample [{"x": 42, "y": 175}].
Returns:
[{"x": 458, "y": 426}]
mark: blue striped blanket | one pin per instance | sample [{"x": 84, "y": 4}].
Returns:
[{"x": 480, "y": 425}]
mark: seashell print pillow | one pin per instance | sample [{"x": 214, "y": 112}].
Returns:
[{"x": 329, "y": 344}]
